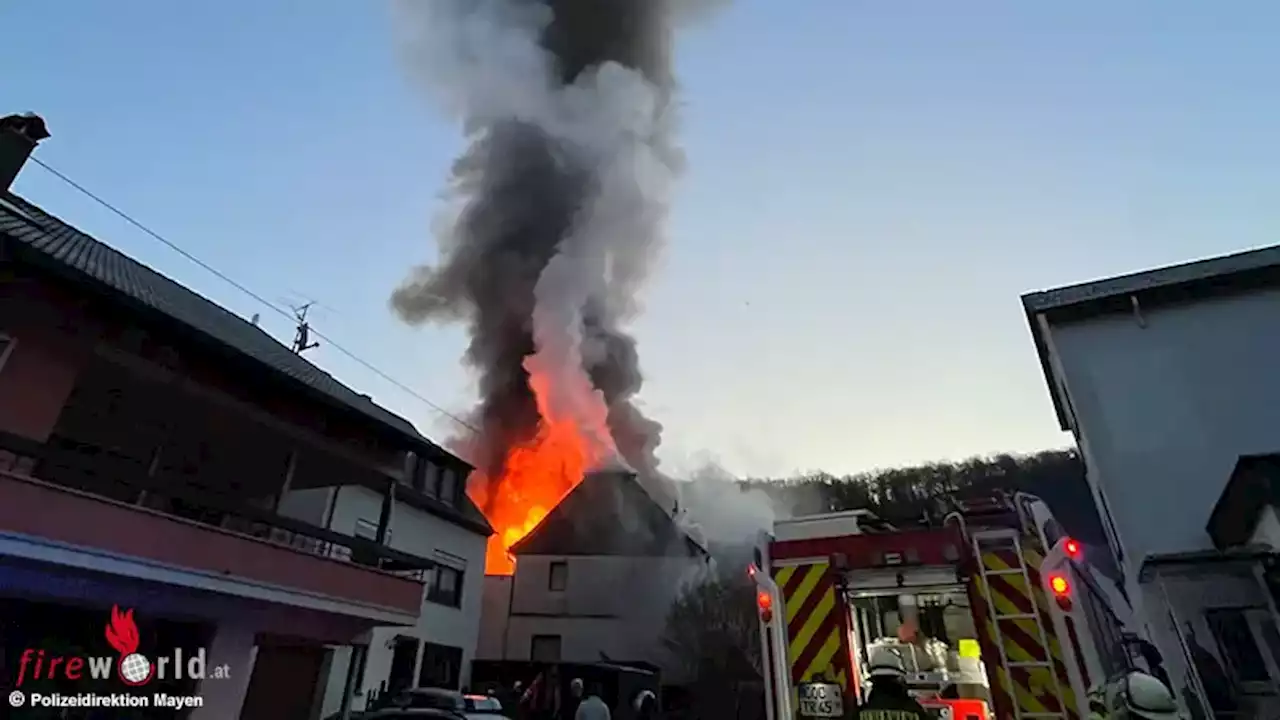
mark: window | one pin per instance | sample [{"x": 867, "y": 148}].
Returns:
[
  {"x": 367, "y": 530},
  {"x": 412, "y": 472},
  {"x": 544, "y": 648},
  {"x": 1053, "y": 532},
  {"x": 558, "y": 578},
  {"x": 1239, "y": 648},
  {"x": 448, "y": 488},
  {"x": 6, "y": 348},
  {"x": 430, "y": 477},
  {"x": 361, "y": 653},
  {"x": 441, "y": 666},
  {"x": 446, "y": 586}
]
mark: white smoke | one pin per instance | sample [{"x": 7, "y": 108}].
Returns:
[
  {"x": 484, "y": 62},
  {"x": 608, "y": 120},
  {"x": 719, "y": 511}
]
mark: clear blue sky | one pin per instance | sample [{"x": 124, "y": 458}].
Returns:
[{"x": 872, "y": 185}]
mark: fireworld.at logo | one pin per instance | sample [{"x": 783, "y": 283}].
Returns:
[{"x": 132, "y": 667}]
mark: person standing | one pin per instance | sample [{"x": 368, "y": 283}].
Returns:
[
  {"x": 570, "y": 708},
  {"x": 1139, "y": 696},
  {"x": 593, "y": 707},
  {"x": 889, "y": 699}
]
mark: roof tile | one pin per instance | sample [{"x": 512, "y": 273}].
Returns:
[{"x": 82, "y": 255}]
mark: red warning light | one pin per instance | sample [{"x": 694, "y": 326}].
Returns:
[
  {"x": 1059, "y": 585},
  {"x": 1072, "y": 548},
  {"x": 765, "y": 602},
  {"x": 1061, "y": 591}
]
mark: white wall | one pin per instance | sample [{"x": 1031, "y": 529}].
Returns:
[
  {"x": 617, "y": 605},
  {"x": 1165, "y": 407},
  {"x": 1267, "y": 530},
  {"x": 495, "y": 607},
  {"x": 234, "y": 647},
  {"x": 419, "y": 533}
]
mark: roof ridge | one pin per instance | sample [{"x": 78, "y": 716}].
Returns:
[
  {"x": 51, "y": 227},
  {"x": 30, "y": 207}
]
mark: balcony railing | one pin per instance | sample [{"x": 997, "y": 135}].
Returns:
[{"x": 22, "y": 456}]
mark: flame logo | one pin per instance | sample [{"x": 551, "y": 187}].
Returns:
[{"x": 122, "y": 632}]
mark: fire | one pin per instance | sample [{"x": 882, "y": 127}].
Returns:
[{"x": 536, "y": 476}]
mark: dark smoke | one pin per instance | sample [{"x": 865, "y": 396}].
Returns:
[{"x": 561, "y": 197}]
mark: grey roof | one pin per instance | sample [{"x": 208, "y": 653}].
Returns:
[
  {"x": 1202, "y": 560},
  {"x": 608, "y": 513},
  {"x": 61, "y": 248},
  {"x": 75, "y": 250},
  {"x": 1099, "y": 296},
  {"x": 1190, "y": 273}
]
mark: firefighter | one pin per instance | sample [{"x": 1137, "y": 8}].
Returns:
[
  {"x": 593, "y": 707},
  {"x": 1097, "y": 698},
  {"x": 889, "y": 699},
  {"x": 1139, "y": 696},
  {"x": 570, "y": 708}
]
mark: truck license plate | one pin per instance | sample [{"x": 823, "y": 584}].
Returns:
[{"x": 820, "y": 700}]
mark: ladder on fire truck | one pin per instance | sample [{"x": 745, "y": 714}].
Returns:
[{"x": 994, "y": 527}]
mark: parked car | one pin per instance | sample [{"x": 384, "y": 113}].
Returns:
[
  {"x": 471, "y": 707},
  {"x": 433, "y": 703}
]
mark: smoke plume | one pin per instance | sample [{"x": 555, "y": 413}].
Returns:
[{"x": 558, "y": 205}]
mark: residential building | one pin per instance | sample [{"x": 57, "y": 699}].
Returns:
[
  {"x": 156, "y": 452},
  {"x": 1167, "y": 379},
  {"x": 437, "y": 650},
  {"x": 593, "y": 581}
]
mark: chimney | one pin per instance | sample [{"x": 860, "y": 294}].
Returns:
[{"x": 19, "y": 135}]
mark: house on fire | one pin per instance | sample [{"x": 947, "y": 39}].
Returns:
[
  {"x": 159, "y": 453},
  {"x": 592, "y": 581}
]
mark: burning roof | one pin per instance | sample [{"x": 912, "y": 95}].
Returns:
[
  {"x": 609, "y": 513},
  {"x": 557, "y": 212}
]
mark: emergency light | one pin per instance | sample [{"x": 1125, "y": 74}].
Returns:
[
  {"x": 765, "y": 602},
  {"x": 1072, "y": 548},
  {"x": 1061, "y": 588}
]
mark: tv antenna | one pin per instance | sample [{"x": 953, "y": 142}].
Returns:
[{"x": 302, "y": 336}]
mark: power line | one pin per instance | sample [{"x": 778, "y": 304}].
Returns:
[{"x": 233, "y": 283}]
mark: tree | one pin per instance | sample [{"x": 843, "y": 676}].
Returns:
[{"x": 712, "y": 631}]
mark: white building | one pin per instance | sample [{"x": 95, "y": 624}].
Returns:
[
  {"x": 431, "y": 514},
  {"x": 1170, "y": 382},
  {"x": 593, "y": 582}
]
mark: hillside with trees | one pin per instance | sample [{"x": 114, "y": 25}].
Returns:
[{"x": 901, "y": 495}]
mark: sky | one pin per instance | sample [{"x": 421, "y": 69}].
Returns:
[{"x": 871, "y": 187}]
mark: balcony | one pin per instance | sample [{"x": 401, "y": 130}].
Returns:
[{"x": 193, "y": 530}]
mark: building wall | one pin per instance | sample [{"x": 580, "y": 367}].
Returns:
[
  {"x": 1180, "y": 602},
  {"x": 234, "y": 646},
  {"x": 59, "y": 329},
  {"x": 419, "y": 533},
  {"x": 1267, "y": 530},
  {"x": 614, "y": 605},
  {"x": 50, "y": 348},
  {"x": 1163, "y": 408}
]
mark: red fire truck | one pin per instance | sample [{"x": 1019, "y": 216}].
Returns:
[{"x": 985, "y": 628}]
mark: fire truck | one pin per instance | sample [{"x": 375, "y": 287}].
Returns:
[{"x": 980, "y": 603}]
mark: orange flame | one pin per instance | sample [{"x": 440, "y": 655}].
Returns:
[
  {"x": 122, "y": 632},
  {"x": 536, "y": 476}
]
